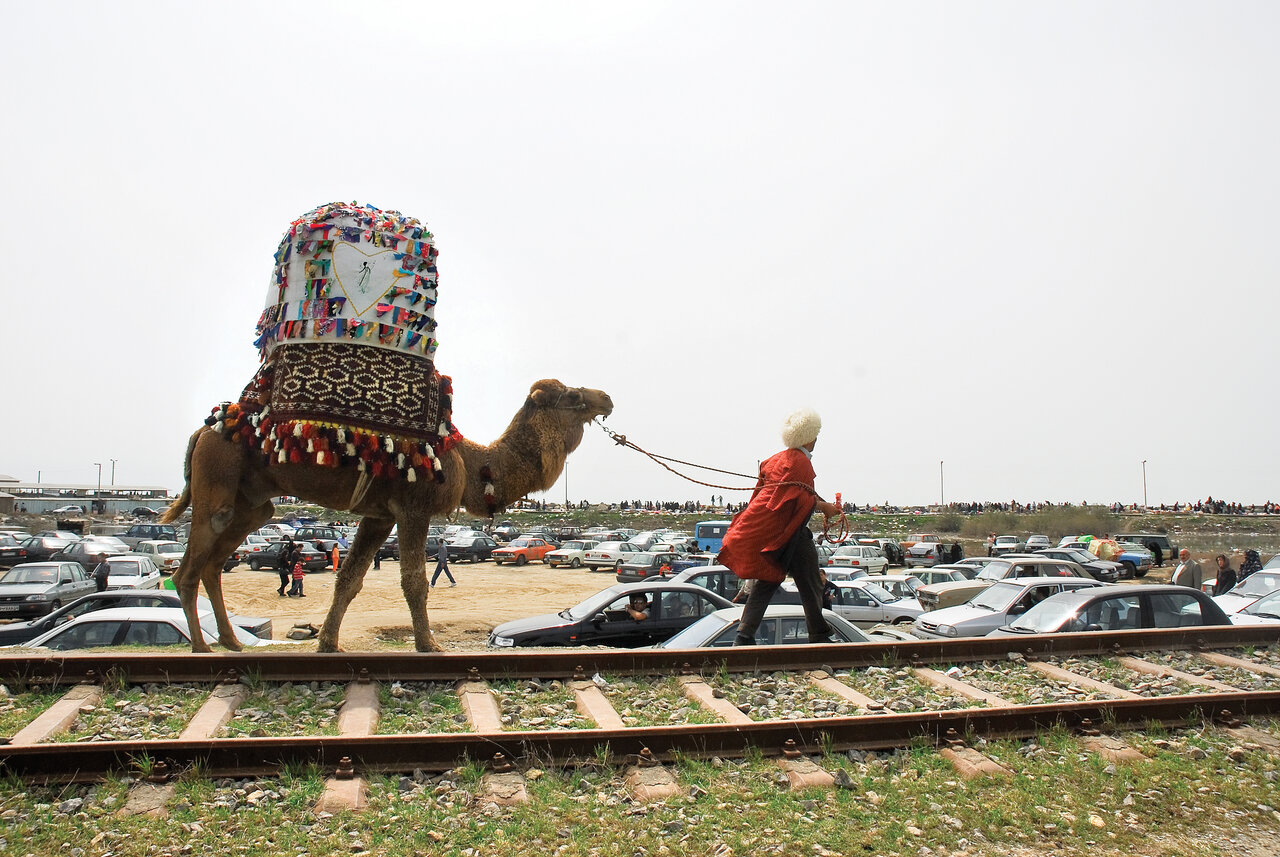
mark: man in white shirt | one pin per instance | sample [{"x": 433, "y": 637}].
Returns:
[{"x": 1188, "y": 571}]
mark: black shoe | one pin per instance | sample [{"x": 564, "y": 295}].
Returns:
[
  {"x": 744, "y": 641},
  {"x": 823, "y": 639}
]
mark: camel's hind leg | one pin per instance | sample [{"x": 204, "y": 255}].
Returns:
[
  {"x": 413, "y": 579},
  {"x": 220, "y": 519},
  {"x": 369, "y": 538}
]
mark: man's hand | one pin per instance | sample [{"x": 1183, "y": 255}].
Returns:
[{"x": 831, "y": 510}]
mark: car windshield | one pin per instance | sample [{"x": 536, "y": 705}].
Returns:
[
  {"x": 994, "y": 571},
  {"x": 1049, "y": 615},
  {"x": 1259, "y": 584},
  {"x": 129, "y": 567},
  {"x": 1274, "y": 562},
  {"x": 573, "y": 546},
  {"x": 168, "y": 547},
  {"x": 1007, "y": 540},
  {"x": 707, "y": 628},
  {"x": 996, "y": 597},
  {"x": 31, "y": 574},
  {"x": 519, "y": 543},
  {"x": 848, "y": 550},
  {"x": 878, "y": 592},
  {"x": 642, "y": 559},
  {"x": 1268, "y": 607},
  {"x": 590, "y": 607}
]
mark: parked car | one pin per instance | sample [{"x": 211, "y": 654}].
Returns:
[
  {"x": 1036, "y": 543},
  {"x": 914, "y": 538},
  {"x": 505, "y": 532},
  {"x": 604, "y": 618},
  {"x": 126, "y": 626},
  {"x": 12, "y": 552},
  {"x": 783, "y": 624},
  {"x": 471, "y": 548},
  {"x": 166, "y": 555},
  {"x": 645, "y": 566},
  {"x": 322, "y": 538},
  {"x": 1136, "y": 559},
  {"x": 892, "y": 551},
  {"x": 902, "y": 585},
  {"x": 994, "y": 606},
  {"x": 1006, "y": 544},
  {"x": 522, "y": 550},
  {"x": 859, "y": 556},
  {"x": 1264, "y": 611},
  {"x": 132, "y": 571},
  {"x": 939, "y": 595},
  {"x": 716, "y": 578},
  {"x": 41, "y": 548},
  {"x": 1168, "y": 551},
  {"x": 145, "y": 512},
  {"x": 945, "y": 573},
  {"x": 37, "y": 588},
  {"x": 269, "y": 557},
  {"x": 572, "y": 553},
  {"x": 276, "y": 532},
  {"x": 609, "y": 555},
  {"x": 977, "y": 563},
  {"x": 67, "y": 510},
  {"x": 1100, "y": 569},
  {"x": 1257, "y": 585},
  {"x": 90, "y": 551},
  {"x": 925, "y": 554},
  {"x": 148, "y": 532},
  {"x": 863, "y": 602},
  {"x": 692, "y": 560},
  {"x": 19, "y": 632},
  {"x": 1117, "y": 608},
  {"x": 252, "y": 544}
]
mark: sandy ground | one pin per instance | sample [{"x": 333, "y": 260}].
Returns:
[{"x": 461, "y": 617}]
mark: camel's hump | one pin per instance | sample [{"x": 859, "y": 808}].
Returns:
[{"x": 353, "y": 273}]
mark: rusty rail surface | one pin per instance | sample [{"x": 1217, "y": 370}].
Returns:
[{"x": 515, "y": 663}]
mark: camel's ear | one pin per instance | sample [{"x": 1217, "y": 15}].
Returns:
[{"x": 546, "y": 393}]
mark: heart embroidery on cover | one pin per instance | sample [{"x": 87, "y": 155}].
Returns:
[{"x": 364, "y": 277}]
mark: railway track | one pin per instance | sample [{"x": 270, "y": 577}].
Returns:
[{"x": 635, "y": 708}]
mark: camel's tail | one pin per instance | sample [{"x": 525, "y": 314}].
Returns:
[{"x": 180, "y": 505}]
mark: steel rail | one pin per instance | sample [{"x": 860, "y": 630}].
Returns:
[
  {"x": 239, "y": 757},
  {"x": 516, "y": 664}
]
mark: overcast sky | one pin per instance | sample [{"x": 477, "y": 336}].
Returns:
[{"x": 1036, "y": 241}]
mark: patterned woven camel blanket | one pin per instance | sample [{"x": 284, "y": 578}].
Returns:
[{"x": 347, "y": 377}]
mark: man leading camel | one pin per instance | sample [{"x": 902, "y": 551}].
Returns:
[{"x": 771, "y": 539}]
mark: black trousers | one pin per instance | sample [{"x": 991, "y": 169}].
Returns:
[{"x": 799, "y": 558}]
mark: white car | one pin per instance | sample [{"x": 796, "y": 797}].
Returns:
[
  {"x": 859, "y": 556},
  {"x": 865, "y": 603},
  {"x": 1255, "y": 586},
  {"x": 276, "y": 532},
  {"x": 252, "y": 544},
  {"x": 783, "y": 624},
  {"x": 67, "y": 510},
  {"x": 901, "y": 585},
  {"x": 165, "y": 554},
  {"x": 572, "y": 553},
  {"x": 609, "y": 555},
  {"x": 124, "y": 626},
  {"x": 132, "y": 571}
]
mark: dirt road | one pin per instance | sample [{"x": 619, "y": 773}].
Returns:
[{"x": 461, "y": 617}]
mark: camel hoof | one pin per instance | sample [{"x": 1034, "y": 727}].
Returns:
[
  {"x": 201, "y": 649},
  {"x": 430, "y": 646},
  {"x": 231, "y": 645},
  {"x": 328, "y": 646}
]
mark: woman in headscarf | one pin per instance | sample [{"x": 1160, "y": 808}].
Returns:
[
  {"x": 1252, "y": 562},
  {"x": 1226, "y": 576}
]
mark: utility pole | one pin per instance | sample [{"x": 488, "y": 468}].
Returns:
[
  {"x": 942, "y": 485},
  {"x": 1144, "y": 483},
  {"x": 113, "y": 472}
]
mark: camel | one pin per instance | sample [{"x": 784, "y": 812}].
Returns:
[{"x": 228, "y": 490}]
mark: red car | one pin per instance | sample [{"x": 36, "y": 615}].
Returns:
[{"x": 522, "y": 550}]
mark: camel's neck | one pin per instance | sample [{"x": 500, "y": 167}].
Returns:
[{"x": 520, "y": 462}]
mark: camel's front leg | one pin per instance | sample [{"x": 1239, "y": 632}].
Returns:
[
  {"x": 370, "y": 535},
  {"x": 413, "y": 580},
  {"x": 247, "y": 519}
]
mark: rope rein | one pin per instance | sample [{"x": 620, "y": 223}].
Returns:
[{"x": 841, "y": 522}]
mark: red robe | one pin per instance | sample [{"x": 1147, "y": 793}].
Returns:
[{"x": 771, "y": 518}]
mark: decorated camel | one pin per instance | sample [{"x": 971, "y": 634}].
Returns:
[{"x": 347, "y": 411}]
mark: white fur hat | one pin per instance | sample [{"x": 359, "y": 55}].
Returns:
[{"x": 801, "y": 428}]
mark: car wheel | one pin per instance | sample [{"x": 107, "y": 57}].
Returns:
[
  {"x": 617, "y": 566},
  {"x": 55, "y": 605},
  {"x": 575, "y": 563},
  {"x": 903, "y": 620},
  {"x": 254, "y": 565},
  {"x": 1130, "y": 570},
  {"x": 521, "y": 559}
]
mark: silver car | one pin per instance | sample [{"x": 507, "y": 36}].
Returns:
[
  {"x": 124, "y": 626},
  {"x": 995, "y": 606},
  {"x": 865, "y": 603},
  {"x": 783, "y": 624}
]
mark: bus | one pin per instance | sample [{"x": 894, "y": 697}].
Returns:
[{"x": 708, "y": 536}]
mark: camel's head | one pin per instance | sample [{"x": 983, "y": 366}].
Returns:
[{"x": 571, "y": 407}]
